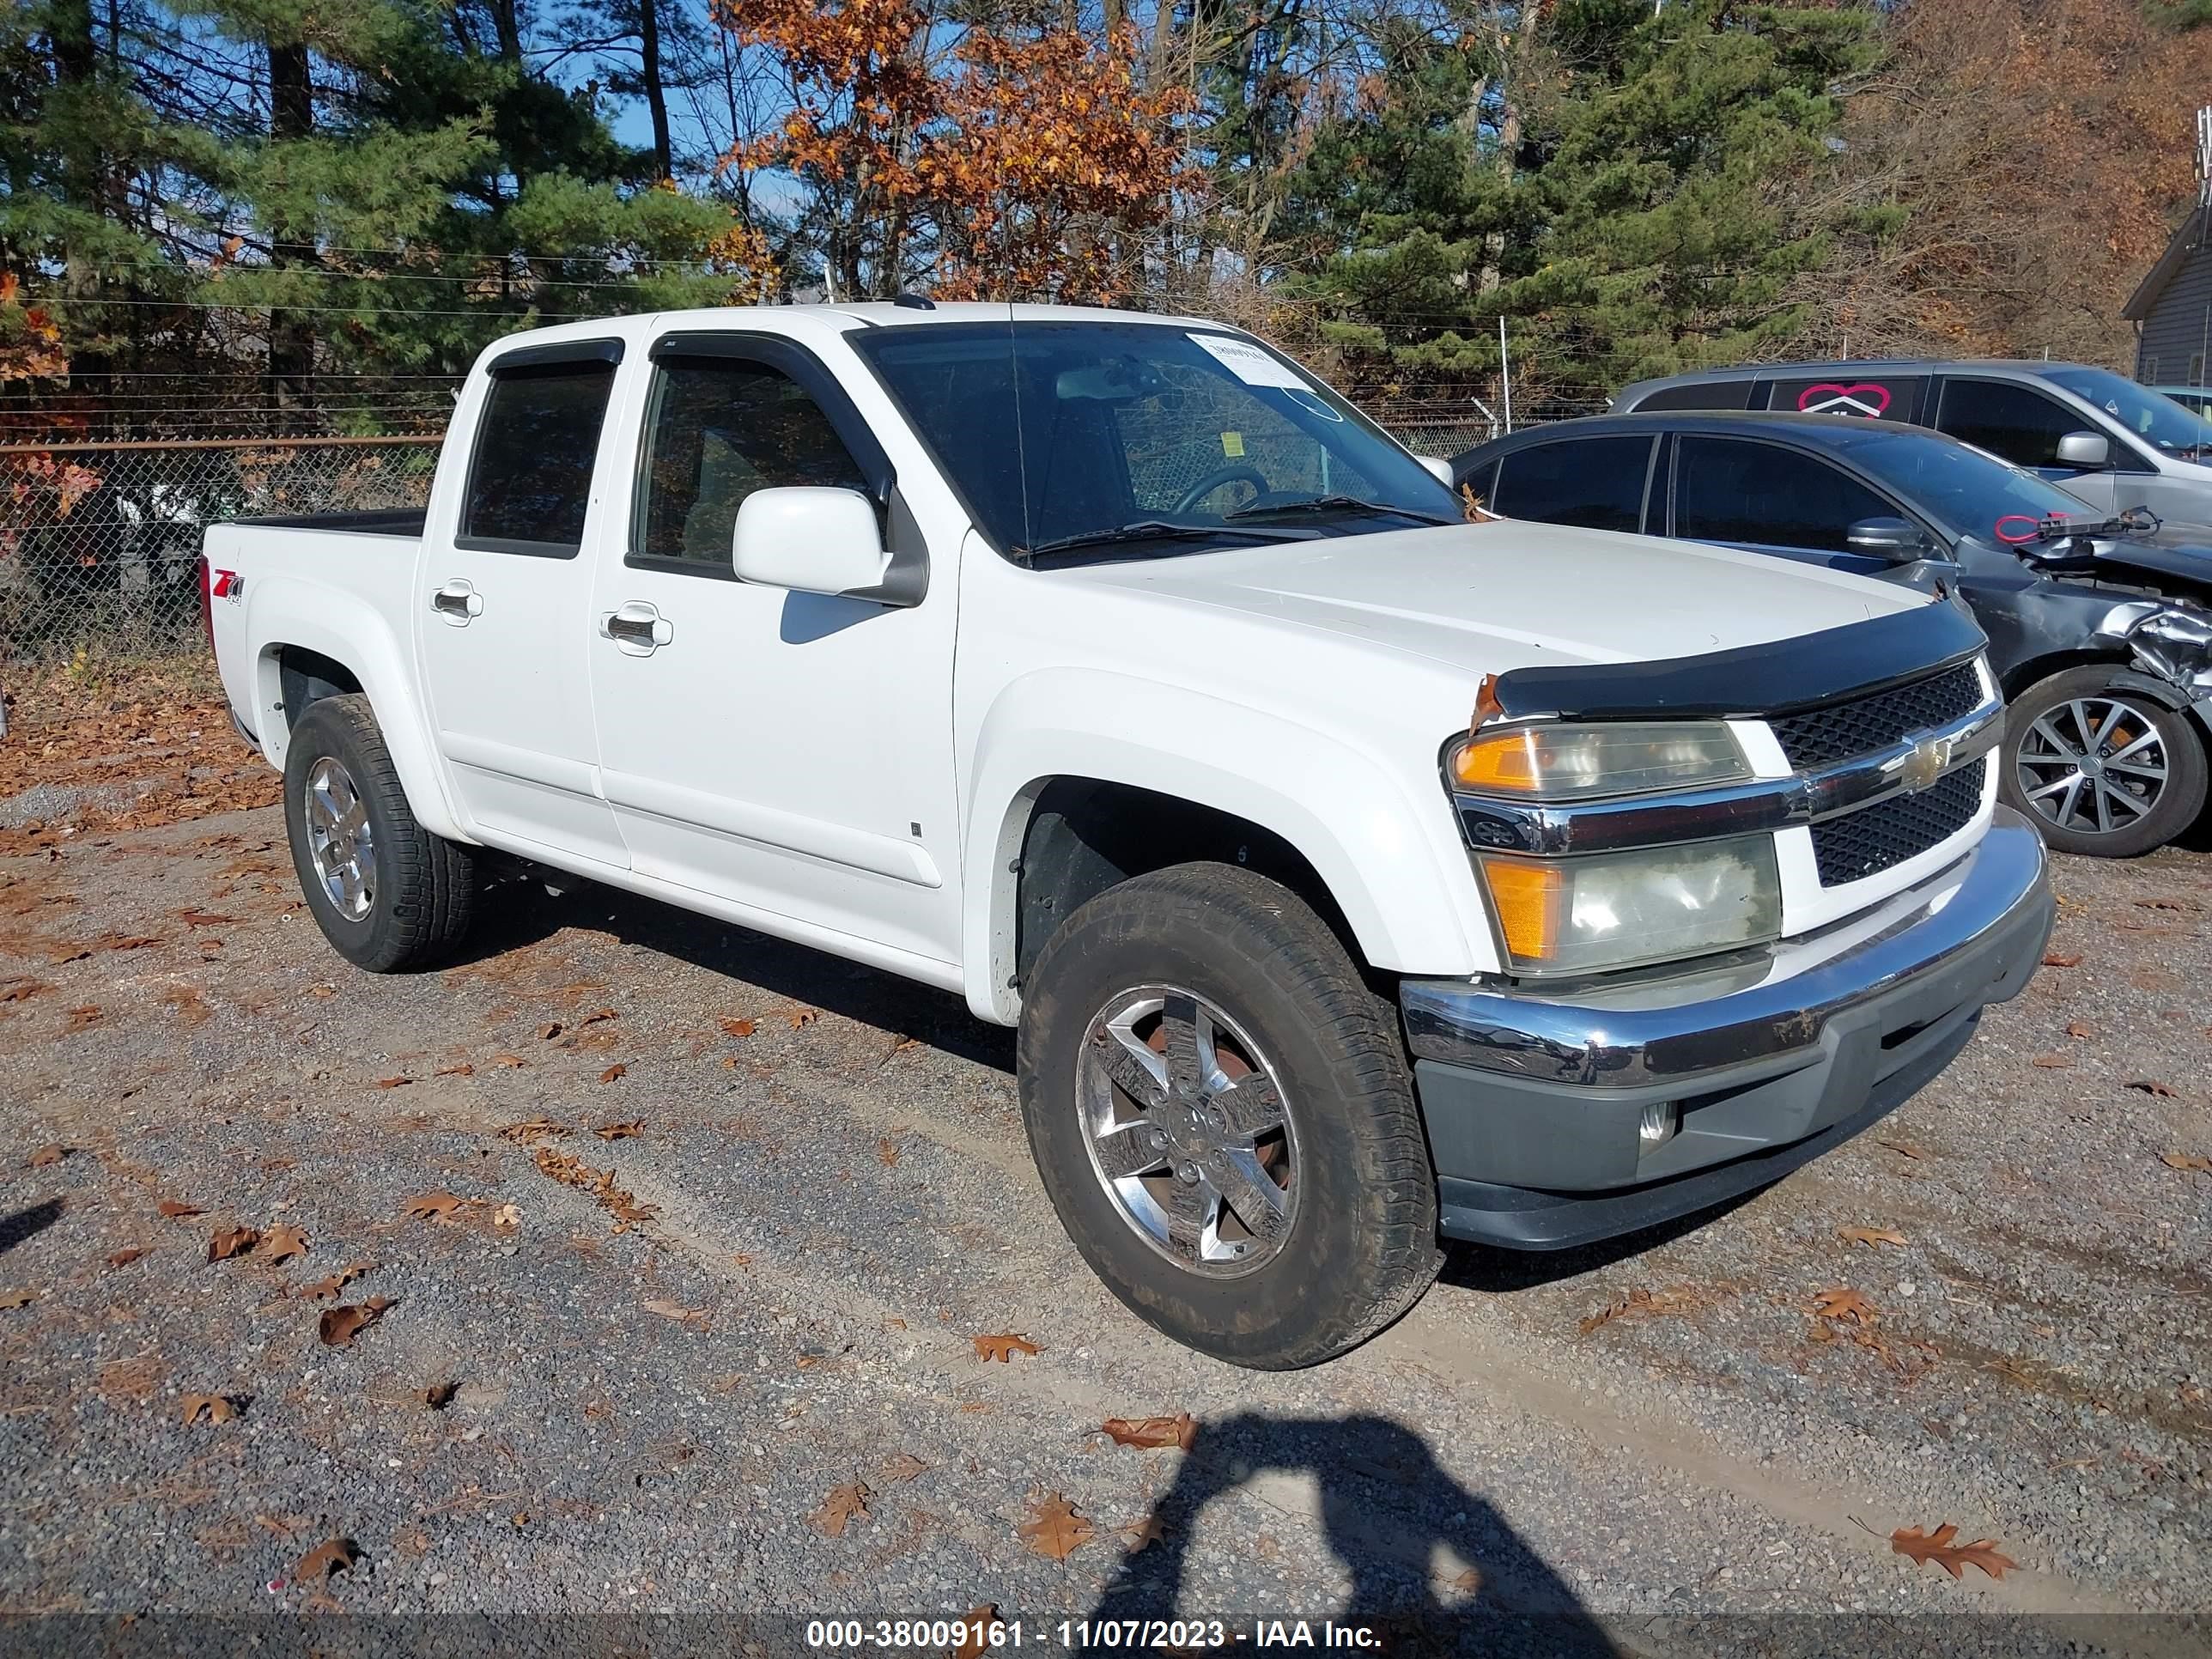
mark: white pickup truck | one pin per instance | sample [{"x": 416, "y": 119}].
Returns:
[{"x": 1355, "y": 874}]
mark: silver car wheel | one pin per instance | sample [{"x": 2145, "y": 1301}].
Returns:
[
  {"x": 340, "y": 839},
  {"x": 1189, "y": 1131},
  {"x": 2092, "y": 765}
]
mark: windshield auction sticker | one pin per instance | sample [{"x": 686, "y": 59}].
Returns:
[{"x": 1248, "y": 363}]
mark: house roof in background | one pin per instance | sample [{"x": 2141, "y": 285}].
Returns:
[{"x": 2186, "y": 240}]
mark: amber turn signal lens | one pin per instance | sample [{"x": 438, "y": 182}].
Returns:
[
  {"x": 1527, "y": 898},
  {"x": 1501, "y": 760}
]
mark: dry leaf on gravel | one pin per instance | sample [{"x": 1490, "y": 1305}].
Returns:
[
  {"x": 11, "y": 1300},
  {"x": 739, "y": 1028},
  {"x": 596, "y": 1015},
  {"x": 509, "y": 1062},
  {"x": 1675, "y": 1299},
  {"x": 432, "y": 1206},
  {"x": 438, "y": 1396},
  {"x": 547, "y": 1031},
  {"x": 175, "y": 1209},
  {"x": 283, "y": 1243},
  {"x": 84, "y": 1018},
  {"x": 507, "y": 1216},
  {"x": 522, "y": 1133},
  {"x": 45, "y": 1157},
  {"x": 905, "y": 1466},
  {"x": 2075, "y": 1028},
  {"x": 124, "y": 1258},
  {"x": 1054, "y": 1529},
  {"x": 611, "y": 1073},
  {"x": 888, "y": 1150},
  {"x": 215, "y": 1408},
  {"x": 2054, "y": 959},
  {"x": 464, "y": 1069},
  {"x": 1903, "y": 1148},
  {"x": 333, "y": 1555},
  {"x": 2163, "y": 904},
  {"x": 2194, "y": 1161},
  {"x": 1149, "y": 1433},
  {"x": 1142, "y": 1534},
  {"x": 324, "y": 1288},
  {"x": 227, "y": 1242},
  {"x": 620, "y": 1131},
  {"x": 1871, "y": 1235},
  {"x": 2051, "y": 1063},
  {"x": 2152, "y": 1086},
  {"x": 799, "y": 1017},
  {"x": 340, "y": 1325},
  {"x": 976, "y": 1633},
  {"x": 394, "y": 1082},
  {"x": 1841, "y": 1302},
  {"x": 1953, "y": 1558},
  {"x": 677, "y": 1311},
  {"x": 22, "y": 989},
  {"x": 1003, "y": 1347},
  {"x": 838, "y": 1511}
]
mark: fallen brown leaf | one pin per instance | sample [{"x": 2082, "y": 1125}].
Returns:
[
  {"x": 525, "y": 1133},
  {"x": 888, "y": 1150},
  {"x": 508, "y": 1062},
  {"x": 1675, "y": 1299},
  {"x": 620, "y": 1131},
  {"x": 596, "y": 1015},
  {"x": 1054, "y": 1529},
  {"x": 1139, "y": 1535},
  {"x": 616, "y": 1070},
  {"x": 976, "y": 1633},
  {"x": 340, "y": 1325},
  {"x": 1148, "y": 1433},
  {"x": 2053, "y": 959},
  {"x": 84, "y": 1018},
  {"x": 677, "y": 1311},
  {"x": 1840, "y": 1302},
  {"x": 11, "y": 1300},
  {"x": 1953, "y": 1558},
  {"x": 175, "y": 1209},
  {"x": 2196, "y": 1161},
  {"x": 1903, "y": 1148},
  {"x": 438, "y": 1396},
  {"x": 799, "y": 1017},
  {"x": 323, "y": 1289},
  {"x": 2051, "y": 1063},
  {"x": 46, "y": 1156},
  {"x": 227, "y": 1242},
  {"x": 432, "y": 1206},
  {"x": 283, "y": 1243},
  {"x": 2152, "y": 1086},
  {"x": 394, "y": 1082},
  {"x": 547, "y": 1032},
  {"x": 1871, "y": 1235},
  {"x": 124, "y": 1258},
  {"x": 464, "y": 1069},
  {"x": 739, "y": 1028},
  {"x": 905, "y": 1466},
  {"x": 839, "y": 1509},
  {"x": 22, "y": 990},
  {"x": 333, "y": 1555},
  {"x": 215, "y": 1408},
  {"x": 1003, "y": 1348},
  {"x": 2075, "y": 1028}
]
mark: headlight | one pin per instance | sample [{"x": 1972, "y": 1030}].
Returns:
[
  {"x": 1616, "y": 910},
  {"x": 1574, "y": 762}
]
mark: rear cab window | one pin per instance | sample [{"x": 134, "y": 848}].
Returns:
[
  {"x": 1699, "y": 394},
  {"x": 1596, "y": 483},
  {"x": 537, "y": 438}
]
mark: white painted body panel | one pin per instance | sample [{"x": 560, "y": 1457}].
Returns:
[{"x": 858, "y": 777}]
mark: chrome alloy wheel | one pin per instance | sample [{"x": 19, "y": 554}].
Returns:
[
  {"x": 2092, "y": 765},
  {"x": 339, "y": 839},
  {"x": 1188, "y": 1129}
]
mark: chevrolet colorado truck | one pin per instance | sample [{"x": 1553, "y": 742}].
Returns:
[{"x": 1355, "y": 875}]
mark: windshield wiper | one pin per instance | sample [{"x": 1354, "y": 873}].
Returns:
[
  {"x": 1145, "y": 530},
  {"x": 1332, "y": 504}
]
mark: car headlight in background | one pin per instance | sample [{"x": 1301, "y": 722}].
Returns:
[
  {"x": 1620, "y": 909},
  {"x": 1580, "y": 763}
]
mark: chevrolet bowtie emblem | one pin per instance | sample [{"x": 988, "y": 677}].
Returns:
[{"x": 1926, "y": 763}]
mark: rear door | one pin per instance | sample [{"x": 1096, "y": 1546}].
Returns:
[
  {"x": 1769, "y": 498},
  {"x": 2020, "y": 424},
  {"x": 501, "y": 618}
]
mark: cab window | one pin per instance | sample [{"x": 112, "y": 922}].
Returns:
[
  {"x": 1595, "y": 482},
  {"x": 1728, "y": 490},
  {"x": 2014, "y": 422}
]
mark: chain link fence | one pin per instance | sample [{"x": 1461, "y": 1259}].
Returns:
[{"x": 117, "y": 571}]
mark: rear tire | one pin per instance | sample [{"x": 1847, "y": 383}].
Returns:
[
  {"x": 387, "y": 893},
  {"x": 1291, "y": 1035},
  {"x": 2101, "y": 768}
]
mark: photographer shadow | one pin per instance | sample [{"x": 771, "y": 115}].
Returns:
[{"x": 1387, "y": 1509}]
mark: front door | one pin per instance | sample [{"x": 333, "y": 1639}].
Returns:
[
  {"x": 789, "y": 752},
  {"x": 500, "y": 616},
  {"x": 2020, "y": 424},
  {"x": 1768, "y": 499}
]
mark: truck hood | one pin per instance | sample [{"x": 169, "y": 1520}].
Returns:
[{"x": 1514, "y": 594}]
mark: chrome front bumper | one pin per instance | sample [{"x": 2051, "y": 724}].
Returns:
[{"x": 1532, "y": 1098}]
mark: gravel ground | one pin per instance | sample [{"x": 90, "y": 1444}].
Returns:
[{"x": 643, "y": 1392}]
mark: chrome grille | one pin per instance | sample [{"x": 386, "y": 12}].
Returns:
[
  {"x": 1869, "y": 840},
  {"x": 1821, "y": 736}
]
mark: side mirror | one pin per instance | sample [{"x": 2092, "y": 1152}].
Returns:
[
  {"x": 2085, "y": 450},
  {"x": 809, "y": 540},
  {"x": 1886, "y": 539},
  {"x": 1437, "y": 464}
]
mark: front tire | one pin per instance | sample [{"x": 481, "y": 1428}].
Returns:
[
  {"x": 2099, "y": 767},
  {"x": 387, "y": 893},
  {"x": 1221, "y": 1111}
]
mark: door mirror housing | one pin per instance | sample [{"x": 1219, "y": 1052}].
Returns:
[
  {"x": 1437, "y": 465},
  {"x": 812, "y": 540},
  {"x": 2085, "y": 450},
  {"x": 1888, "y": 538}
]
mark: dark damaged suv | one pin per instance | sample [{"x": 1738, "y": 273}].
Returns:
[{"x": 2098, "y": 626}]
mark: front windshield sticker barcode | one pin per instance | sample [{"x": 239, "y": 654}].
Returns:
[{"x": 1248, "y": 362}]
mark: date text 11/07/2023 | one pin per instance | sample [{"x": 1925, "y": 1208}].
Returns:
[{"x": 985, "y": 1632}]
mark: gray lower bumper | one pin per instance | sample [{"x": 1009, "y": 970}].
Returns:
[{"x": 1532, "y": 1102}]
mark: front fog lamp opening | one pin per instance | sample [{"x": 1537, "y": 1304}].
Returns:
[
  {"x": 1657, "y": 1125},
  {"x": 1578, "y": 763},
  {"x": 1624, "y": 909}
]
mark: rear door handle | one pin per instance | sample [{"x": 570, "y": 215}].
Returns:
[
  {"x": 457, "y": 602},
  {"x": 638, "y": 629}
]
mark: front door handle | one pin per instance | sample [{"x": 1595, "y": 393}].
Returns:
[
  {"x": 457, "y": 602},
  {"x": 638, "y": 629}
]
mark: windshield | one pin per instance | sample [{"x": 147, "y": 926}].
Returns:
[
  {"x": 2157, "y": 420},
  {"x": 1143, "y": 439},
  {"x": 1972, "y": 492}
]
